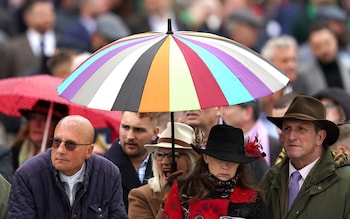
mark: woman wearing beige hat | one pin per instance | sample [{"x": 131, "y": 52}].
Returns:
[{"x": 145, "y": 201}]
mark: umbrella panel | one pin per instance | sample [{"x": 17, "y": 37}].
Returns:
[{"x": 24, "y": 92}]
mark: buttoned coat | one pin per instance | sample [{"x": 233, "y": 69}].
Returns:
[
  {"x": 145, "y": 203},
  {"x": 37, "y": 191},
  {"x": 324, "y": 194}
]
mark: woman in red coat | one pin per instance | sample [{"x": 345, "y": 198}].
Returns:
[{"x": 221, "y": 184}]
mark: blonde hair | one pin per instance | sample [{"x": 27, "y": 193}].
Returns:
[{"x": 155, "y": 183}]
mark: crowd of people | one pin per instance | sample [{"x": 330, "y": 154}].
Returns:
[{"x": 284, "y": 155}]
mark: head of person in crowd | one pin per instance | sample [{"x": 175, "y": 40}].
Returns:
[
  {"x": 185, "y": 156},
  {"x": 283, "y": 53},
  {"x": 60, "y": 63},
  {"x": 225, "y": 147},
  {"x": 72, "y": 144},
  {"x": 244, "y": 27},
  {"x": 163, "y": 119},
  {"x": 336, "y": 102},
  {"x": 37, "y": 116},
  {"x": 39, "y": 15},
  {"x": 136, "y": 130},
  {"x": 78, "y": 59},
  {"x": 305, "y": 130},
  {"x": 337, "y": 19},
  {"x": 109, "y": 27},
  {"x": 243, "y": 115},
  {"x": 202, "y": 121},
  {"x": 323, "y": 42},
  {"x": 342, "y": 144}
]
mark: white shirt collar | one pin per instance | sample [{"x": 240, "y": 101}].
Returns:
[
  {"x": 77, "y": 177},
  {"x": 304, "y": 171},
  {"x": 34, "y": 38}
]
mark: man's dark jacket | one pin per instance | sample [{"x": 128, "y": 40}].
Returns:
[{"x": 130, "y": 178}]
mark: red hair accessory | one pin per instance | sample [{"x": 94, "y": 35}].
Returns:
[{"x": 254, "y": 148}]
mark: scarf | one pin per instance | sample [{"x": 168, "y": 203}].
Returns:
[{"x": 223, "y": 189}]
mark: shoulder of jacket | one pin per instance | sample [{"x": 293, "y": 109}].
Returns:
[{"x": 340, "y": 159}]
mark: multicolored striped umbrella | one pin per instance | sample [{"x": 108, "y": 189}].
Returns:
[{"x": 168, "y": 72}]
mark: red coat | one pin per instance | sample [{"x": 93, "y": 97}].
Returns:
[{"x": 241, "y": 203}]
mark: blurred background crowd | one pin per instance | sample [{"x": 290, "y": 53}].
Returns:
[{"x": 308, "y": 40}]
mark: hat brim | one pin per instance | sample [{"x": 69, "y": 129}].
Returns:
[
  {"x": 26, "y": 114},
  {"x": 330, "y": 127},
  {"x": 153, "y": 147},
  {"x": 229, "y": 157}
]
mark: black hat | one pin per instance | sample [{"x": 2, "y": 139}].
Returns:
[
  {"x": 226, "y": 143},
  {"x": 42, "y": 107}
]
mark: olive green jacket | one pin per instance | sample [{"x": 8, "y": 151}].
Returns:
[
  {"x": 5, "y": 188},
  {"x": 325, "y": 192}
]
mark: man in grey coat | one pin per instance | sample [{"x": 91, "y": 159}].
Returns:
[{"x": 324, "y": 175}]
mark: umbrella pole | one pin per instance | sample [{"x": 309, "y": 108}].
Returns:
[
  {"x": 173, "y": 165},
  {"x": 47, "y": 127}
]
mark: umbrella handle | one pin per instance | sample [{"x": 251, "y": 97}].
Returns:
[
  {"x": 173, "y": 166},
  {"x": 47, "y": 127}
]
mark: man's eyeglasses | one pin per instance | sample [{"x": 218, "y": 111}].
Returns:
[
  {"x": 70, "y": 145},
  {"x": 159, "y": 155}
]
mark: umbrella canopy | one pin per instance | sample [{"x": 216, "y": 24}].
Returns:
[
  {"x": 168, "y": 72},
  {"x": 23, "y": 92}
]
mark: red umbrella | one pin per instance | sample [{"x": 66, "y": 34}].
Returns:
[{"x": 23, "y": 92}]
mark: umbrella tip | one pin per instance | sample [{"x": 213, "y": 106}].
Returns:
[{"x": 170, "y": 29}]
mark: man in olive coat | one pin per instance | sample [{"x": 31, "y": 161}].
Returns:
[{"x": 324, "y": 185}]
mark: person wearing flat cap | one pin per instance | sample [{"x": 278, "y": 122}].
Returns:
[
  {"x": 311, "y": 181},
  {"x": 221, "y": 185},
  {"x": 145, "y": 201},
  {"x": 29, "y": 139},
  {"x": 335, "y": 100}
]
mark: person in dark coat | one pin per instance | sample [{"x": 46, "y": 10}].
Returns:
[
  {"x": 128, "y": 152},
  {"x": 68, "y": 180},
  {"x": 6, "y": 168}
]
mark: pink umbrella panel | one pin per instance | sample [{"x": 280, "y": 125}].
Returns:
[{"x": 23, "y": 92}]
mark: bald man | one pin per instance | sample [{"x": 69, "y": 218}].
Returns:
[{"x": 68, "y": 179}]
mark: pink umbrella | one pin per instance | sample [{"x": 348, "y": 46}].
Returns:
[{"x": 23, "y": 92}]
